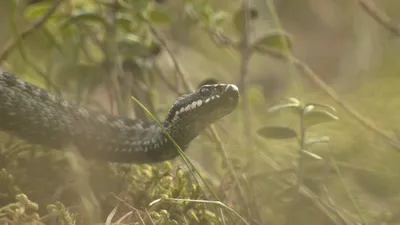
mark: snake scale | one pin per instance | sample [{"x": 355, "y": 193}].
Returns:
[{"x": 39, "y": 117}]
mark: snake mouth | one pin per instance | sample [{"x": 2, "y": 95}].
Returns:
[
  {"x": 233, "y": 97},
  {"x": 232, "y": 94}
]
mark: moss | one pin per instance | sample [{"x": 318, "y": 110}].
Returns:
[{"x": 47, "y": 179}]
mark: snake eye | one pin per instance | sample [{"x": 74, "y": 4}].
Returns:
[{"x": 205, "y": 91}]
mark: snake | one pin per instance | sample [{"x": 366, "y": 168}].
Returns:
[{"x": 39, "y": 117}]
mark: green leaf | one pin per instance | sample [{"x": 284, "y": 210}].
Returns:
[
  {"x": 308, "y": 108},
  {"x": 130, "y": 45},
  {"x": 36, "y": 10},
  {"x": 310, "y": 155},
  {"x": 322, "y": 105},
  {"x": 293, "y": 104},
  {"x": 311, "y": 141},
  {"x": 276, "y": 39},
  {"x": 124, "y": 21},
  {"x": 277, "y": 132},
  {"x": 317, "y": 117},
  {"x": 83, "y": 16},
  {"x": 284, "y": 106},
  {"x": 157, "y": 16},
  {"x": 293, "y": 100},
  {"x": 129, "y": 39}
]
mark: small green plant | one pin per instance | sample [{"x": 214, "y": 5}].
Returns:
[{"x": 309, "y": 115}]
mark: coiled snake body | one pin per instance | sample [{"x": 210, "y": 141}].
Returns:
[{"x": 41, "y": 118}]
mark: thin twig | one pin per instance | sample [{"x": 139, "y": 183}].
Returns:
[
  {"x": 170, "y": 86},
  {"x": 131, "y": 207},
  {"x": 115, "y": 68},
  {"x": 186, "y": 84},
  {"x": 245, "y": 54},
  {"x": 19, "y": 44},
  {"x": 28, "y": 31},
  {"x": 346, "y": 188},
  {"x": 379, "y": 16}
]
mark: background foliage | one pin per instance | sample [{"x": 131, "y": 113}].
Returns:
[{"x": 326, "y": 155}]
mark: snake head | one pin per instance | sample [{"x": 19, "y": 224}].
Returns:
[{"x": 192, "y": 112}]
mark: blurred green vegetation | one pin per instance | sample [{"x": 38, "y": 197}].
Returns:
[{"x": 99, "y": 53}]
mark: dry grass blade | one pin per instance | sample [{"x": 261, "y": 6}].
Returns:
[
  {"x": 111, "y": 215},
  {"x": 380, "y": 17},
  {"x": 128, "y": 214}
]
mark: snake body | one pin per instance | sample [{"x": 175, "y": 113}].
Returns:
[{"x": 39, "y": 117}]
